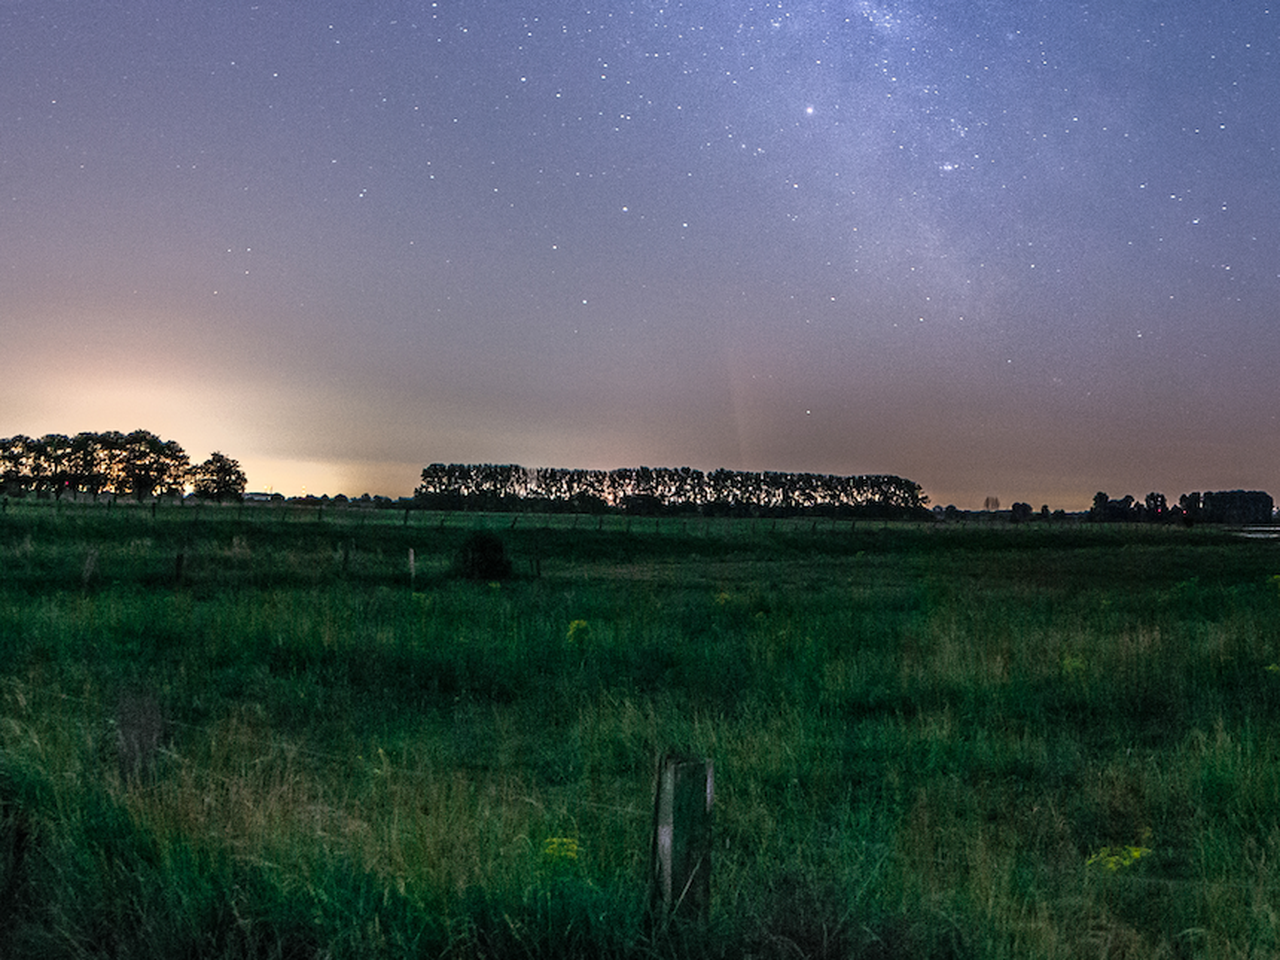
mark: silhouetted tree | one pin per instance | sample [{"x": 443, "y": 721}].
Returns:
[
  {"x": 111, "y": 456},
  {"x": 1190, "y": 505},
  {"x": 15, "y": 474},
  {"x": 1098, "y": 512},
  {"x": 665, "y": 490},
  {"x": 83, "y": 469},
  {"x": 1157, "y": 507},
  {"x": 140, "y": 463},
  {"x": 55, "y": 450},
  {"x": 150, "y": 465},
  {"x": 218, "y": 478},
  {"x": 1237, "y": 506}
]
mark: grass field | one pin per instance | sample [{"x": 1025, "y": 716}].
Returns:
[{"x": 248, "y": 732}]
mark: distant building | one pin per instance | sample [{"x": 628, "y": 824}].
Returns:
[{"x": 258, "y": 497}]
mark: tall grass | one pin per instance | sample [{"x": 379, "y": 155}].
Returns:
[{"x": 928, "y": 743}]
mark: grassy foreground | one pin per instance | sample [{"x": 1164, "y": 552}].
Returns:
[{"x": 245, "y": 733}]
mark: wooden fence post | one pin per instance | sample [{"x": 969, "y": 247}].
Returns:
[
  {"x": 680, "y": 873},
  {"x": 413, "y": 569}
]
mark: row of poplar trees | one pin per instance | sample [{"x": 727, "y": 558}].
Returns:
[{"x": 665, "y": 489}]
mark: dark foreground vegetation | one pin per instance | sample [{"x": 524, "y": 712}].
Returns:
[{"x": 228, "y": 732}]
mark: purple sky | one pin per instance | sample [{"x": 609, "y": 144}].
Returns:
[{"x": 1002, "y": 247}]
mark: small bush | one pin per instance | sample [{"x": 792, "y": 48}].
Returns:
[{"x": 483, "y": 557}]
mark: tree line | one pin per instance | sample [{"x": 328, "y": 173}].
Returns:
[
  {"x": 662, "y": 490},
  {"x": 1219, "y": 506},
  {"x": 138, "y": 464}
]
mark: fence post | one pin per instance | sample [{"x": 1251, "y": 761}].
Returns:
[
  {"x": 413, "y": 569},
  {"x": 89, "y": 572},
  {"x": 680, "y": 871}
]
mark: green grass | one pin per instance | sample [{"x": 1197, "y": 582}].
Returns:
[{"x": 922, "y": 736}]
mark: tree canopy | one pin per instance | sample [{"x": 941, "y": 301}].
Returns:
[
  {"x": 665, "y": 489},
  {"x": 218, "y": 478},
  {"x": 138, "y": 464},
  {"x": 1236, "y": 507}
]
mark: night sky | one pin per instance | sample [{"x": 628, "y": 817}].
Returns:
[{"x": 1000, "y": 247}]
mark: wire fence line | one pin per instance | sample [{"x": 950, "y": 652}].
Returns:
[{"x": 414, "y": 517}]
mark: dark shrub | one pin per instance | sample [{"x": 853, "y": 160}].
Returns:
[{"x": 484, "y": 557}]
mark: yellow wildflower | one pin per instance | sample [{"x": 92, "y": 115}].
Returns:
[
  {"x": 1113, "y": 858},
  {"x": 560, "y": 850},
  {"x": 1073, "y": 666}
]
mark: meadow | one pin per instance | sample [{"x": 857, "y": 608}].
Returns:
[{"x": 257, "y": 732}]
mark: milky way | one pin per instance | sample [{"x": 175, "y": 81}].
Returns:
[{"x": 1022, "y": 249}]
